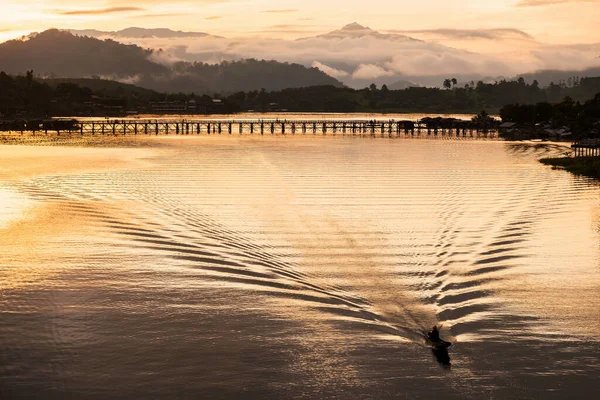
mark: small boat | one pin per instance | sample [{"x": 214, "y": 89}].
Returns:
[
  {"x": 438, "y": 344},
  {"x": 435, "y": 341}
]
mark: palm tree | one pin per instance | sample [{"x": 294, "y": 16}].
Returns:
[{"x": 454, "y": 82}]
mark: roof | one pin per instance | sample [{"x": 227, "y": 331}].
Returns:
[
  {"x": 507, "y": 124},
  {"x": 558, "y": 132}
]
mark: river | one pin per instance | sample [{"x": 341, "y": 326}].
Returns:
[{"x": 297, "y": 267}]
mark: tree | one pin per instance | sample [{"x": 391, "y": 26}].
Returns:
[
  {"x": 373, "y": 87},
  {"x": 483, "y": 118},
  {"x": 447, "y": 83},
  {"x": 384, "y": 88},
  {"x": 454, "y": 82}
]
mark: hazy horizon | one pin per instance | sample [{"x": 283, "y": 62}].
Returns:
[{"x": 554, "y": 21}]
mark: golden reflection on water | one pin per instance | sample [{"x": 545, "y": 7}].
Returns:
[
  {"x": 320, "y": 258},
  {"x": 12, "y": 206}
]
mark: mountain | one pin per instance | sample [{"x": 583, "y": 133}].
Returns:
[
  {"x": 104, "y": 87},
  {"x": 142, "y": 33},
  {"x": 402, "y": 84},
  {"x": 234, "y": 76},
  {"x": 354, "y": 54},
  {"x": 60, "y": 54},
  {"x": 356, "y": 31},
  {"x": 545, "y": 77}
]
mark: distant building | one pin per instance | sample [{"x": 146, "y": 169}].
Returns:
[
  {"x": 559, "y": 133},
  {"x": 169, "y": 107},
  {"x": 113, "y": 110},
  {"x": 192, "y": 106},
  {"x": 508, "y": 127}
]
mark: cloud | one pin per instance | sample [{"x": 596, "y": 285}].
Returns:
[
  {"x": 164, "y": 58},
  {"x": 109, "y": 10},
  {"x": 333, "y": 72},
  {"x": 370, "y": 71},
  {"x": 279, "y": 11},
  {"x": 418, "y": 63},
  {"x": 130, "y": 80},
  {"x": 214, "y": 17},
  {"x": 160, "y": 15},
  {"x": 354, "y": 59},
  {"x": 566, "y": 57},
  {"x": 537, "y": 3},
  {"x": 491, "y": 34}
]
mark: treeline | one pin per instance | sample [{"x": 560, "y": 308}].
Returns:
[
  {"x": 471, "y": 98},
  {"x": 582, "y": 119},
  {"x": 24, "y": 96}
]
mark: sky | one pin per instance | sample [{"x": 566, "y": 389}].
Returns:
[
  {"x": 550, "y": 21},
  {"x": 468, "y": 38}
]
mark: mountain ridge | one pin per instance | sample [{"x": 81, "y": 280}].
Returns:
[
  {"x": 136, "y": 32},
  {"x": 355, "y": 31},
  {"x": 61, "y": 54}
]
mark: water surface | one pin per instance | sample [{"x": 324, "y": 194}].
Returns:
[{"x": 302, "y": 267}]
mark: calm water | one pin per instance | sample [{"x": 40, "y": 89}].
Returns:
[{"x": 290, "y": 267}]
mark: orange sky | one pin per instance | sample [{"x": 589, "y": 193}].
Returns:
[{"x": 550, "y": 21}]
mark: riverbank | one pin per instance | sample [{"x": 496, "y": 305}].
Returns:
[{"x": 587, "y": 166}]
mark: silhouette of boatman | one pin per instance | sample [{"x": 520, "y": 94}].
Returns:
[{"x": 434, "y": 335}]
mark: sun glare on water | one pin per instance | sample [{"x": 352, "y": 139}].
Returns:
[{"x": 12, "y": 207}]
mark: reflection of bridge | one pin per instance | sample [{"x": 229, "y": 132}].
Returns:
[{"x": 388, "y": 128}]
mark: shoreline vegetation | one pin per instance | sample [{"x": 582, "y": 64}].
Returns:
[
  {"x": 586, "y": 166},
  {"x": 25, "y": 96}
]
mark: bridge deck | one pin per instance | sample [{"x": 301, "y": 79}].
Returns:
[{"x": 258, "y": 126}]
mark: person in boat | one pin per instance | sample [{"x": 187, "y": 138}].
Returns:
[{"x": 434, "y": 335}]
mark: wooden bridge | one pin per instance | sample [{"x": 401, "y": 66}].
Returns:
[
  {"x": 388, "y": 128},
  {"x": 587, "y": 148}
]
